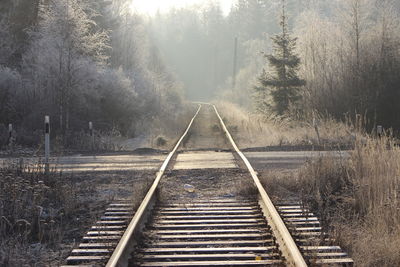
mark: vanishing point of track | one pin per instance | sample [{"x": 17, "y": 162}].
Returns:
[{"x": 206, "y": 232}]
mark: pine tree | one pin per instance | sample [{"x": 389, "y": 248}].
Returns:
[{"x": 278, "y": 88}]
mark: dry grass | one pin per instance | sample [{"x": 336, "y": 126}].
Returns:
[
  {"x": 32, "y": 202},
  {"x": 254, "y": 130},
  {"x": 42, "y": 216},
  {"x": 360, "y": 199},
  {"x": 169, "y": 126},
  {"x": 34, "y": 210}
]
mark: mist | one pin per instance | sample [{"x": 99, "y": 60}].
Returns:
[
  {"x": 126, "y": 67},
  {"x": 197, "y": 44},
  {"x": 213, "y": 133}
]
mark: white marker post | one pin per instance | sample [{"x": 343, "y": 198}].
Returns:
[
  {"x": 10, "y": 141},
  {"x": 91, "y": 133},
  {"x": 379, "y": 130},
  {"x": 47, "y": 142}
]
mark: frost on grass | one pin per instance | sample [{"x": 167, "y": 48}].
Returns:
[
  {"x": 42, "y": 217},
  {"x": 358, "y": 198},
  {"x": 35, "y": 211},
  {"x": 254, "y": 130}
]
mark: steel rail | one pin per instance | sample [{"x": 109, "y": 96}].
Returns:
[
  {"x": 121, "y": 253},
  {"x": 286, "y": 243}
]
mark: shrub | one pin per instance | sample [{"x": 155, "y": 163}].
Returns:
[{"x": 161, "y": 141}]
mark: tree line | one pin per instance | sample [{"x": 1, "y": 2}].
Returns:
[
  {"x": 348, "y": 51},
  {"x": 351, "y": 60},
  {"x": 81, "y": 61}
]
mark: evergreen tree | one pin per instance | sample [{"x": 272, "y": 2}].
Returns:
[{"x": 279, "y": 87}]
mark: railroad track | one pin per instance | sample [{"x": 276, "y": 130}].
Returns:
[{"x": 220, "y": 231}]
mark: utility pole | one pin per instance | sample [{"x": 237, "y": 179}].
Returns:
[
  {"x": 234, "y": 64},
  {"x": 46, "y": 143}
]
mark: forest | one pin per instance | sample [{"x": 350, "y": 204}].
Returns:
[
  {"x": 79, "y": 61},
  {"x": 349, "y": 53}
]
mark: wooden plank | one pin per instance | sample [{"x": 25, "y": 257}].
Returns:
[
  {"x": 92, "y": 251},
  {"x": 172, "y": 205},
  {"x": 214, "y": 243},
  {"x": 309, "y": 219},
  {"x": 334, "y": 261},
  {"x": 97, "y": 245},
  {"x": 107, "y": 227},
  {"x": 303, "y": 223},
  {"x": 221, "y": 225},
  {"x": 217, "y": 212},
  {"x": 111, "y": 222},
  {"x": 308, "y": 228},
  {"x": 116, "y": 213},
  {"x": 255, "y": 208},
  {"x": 115, "y": 218},
  {"x": 96, "y": 233},
  {"x": 216, "y": 216},
  {"x": 220, "y": 200},
  {"x": 86, "y": 258},
  {"x": 222, "y": 236},
  {"x": 208, "y": 249},
  {"x": 207, "y": 231},
  {"x": 248, "y": 256},
  {"x": 103, "y": 237},
  {"x": 287, "y": 215},
  {"x": 305, "y": 211},
  {"x": 208, "y": 221},
  {"x": 320, "y": 247},
  {"x": 289, "y": 207},
  {"x": 213, "y": 263},
  {"x": 326, "y": 254}
]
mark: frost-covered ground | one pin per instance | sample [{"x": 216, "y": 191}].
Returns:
[{"x": 40, "y": 229}]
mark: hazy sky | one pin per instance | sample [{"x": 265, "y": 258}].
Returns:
[{"x": 151, "y": 6}]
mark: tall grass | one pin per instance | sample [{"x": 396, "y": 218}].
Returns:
[
  {"x": 35, "y": 211},
  {"x": 359, "y": 197},
  {"x": 33, "y": 205},
  {"x": 252, "y": 130}
]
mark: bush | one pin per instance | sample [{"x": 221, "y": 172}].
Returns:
[{"x": 161, "y": 141}]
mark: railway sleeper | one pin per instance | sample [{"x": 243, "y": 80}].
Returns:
[
  {"x": 307, "y": 232},
  {"x": 208, "y": 234},
  {"x": 100, "y": 241},
  {"x": 207, "y": 257},
  {"x": 210, "y": 243}
]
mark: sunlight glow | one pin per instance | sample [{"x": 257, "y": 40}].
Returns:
[{"x": 151, "y": 7}]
